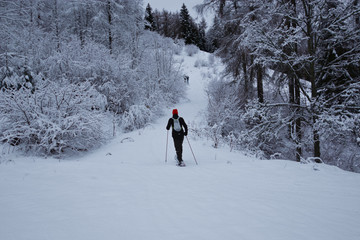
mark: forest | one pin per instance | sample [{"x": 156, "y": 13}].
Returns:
[
  {"x": 72, "y": 72},
  {"x": 291, "y": 88}
]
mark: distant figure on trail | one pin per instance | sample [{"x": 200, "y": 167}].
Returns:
[
  {"x": 186, "y": 79},
  {"x": 179, "y": 130}
]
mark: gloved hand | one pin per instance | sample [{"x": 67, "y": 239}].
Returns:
[{"x": 185, "y": 133}]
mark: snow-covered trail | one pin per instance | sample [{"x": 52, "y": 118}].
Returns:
[{"x": 126, "y": 191}]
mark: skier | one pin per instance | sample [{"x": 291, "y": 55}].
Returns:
[
  {"x": 186, "y": 79},
  {"x": 178, "y": 125}
]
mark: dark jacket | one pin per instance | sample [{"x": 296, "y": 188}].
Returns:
[{"x": 184, "y": 128}]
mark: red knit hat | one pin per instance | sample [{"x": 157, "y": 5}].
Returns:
[{"x": 175, "y": 111}]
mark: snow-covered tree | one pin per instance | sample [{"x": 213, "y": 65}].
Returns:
[
  {"x": 149, "y": 19},
  {"x": 181, "y": 26},
  {"x": 307, "y": 52},
  {"x": 186, "y": 25},
  {"x": 54, "y": 119},
  {"x": 69, "y": 68},
  {"x": 214, "y": 35}
]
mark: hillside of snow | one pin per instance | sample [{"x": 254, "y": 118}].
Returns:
[{"x": 125, "y": 190}]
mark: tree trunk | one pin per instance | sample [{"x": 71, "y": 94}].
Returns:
[
  {"x": 251, "y": 78},
  {"x": 357, "y": 18},
  {"x": 57, "y": 30},
  {"x": 110, "y": 23},
  {"x": 316, "y": 137},
  {"x": 260, "y": 87},
  {"x": 246, "y": 79},
  {"x": 312, "y": 75},
  {"x": 80, "y": 29},
  {"x": 298, "y": 122},
  {"x": 294, "y": 88},
  {"x": 221, "y": 8},
  {"x": 291, "y": 86}
]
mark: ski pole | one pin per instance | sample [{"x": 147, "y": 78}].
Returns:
[
  {"x": 191, "y": 150},
  {"x": 167, "y": 137}
]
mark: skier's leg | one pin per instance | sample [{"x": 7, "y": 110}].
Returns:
[{"x": 178, "y": 148}]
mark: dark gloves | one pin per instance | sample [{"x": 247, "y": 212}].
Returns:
[{"x": 185, "y": 133}]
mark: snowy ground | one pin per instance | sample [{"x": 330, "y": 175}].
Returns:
[{"x": 126, "y": 191}]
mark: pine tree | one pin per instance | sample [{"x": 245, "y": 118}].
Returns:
[
  {"x": 149, "y": 19},
  {"x": 202, "y": 35},
  {"x": 166, "y": 17},
  {"x": 214, "y": 35},
  {"x": 187, "y": 29}
]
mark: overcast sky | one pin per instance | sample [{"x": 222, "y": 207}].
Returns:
[{"x": 175, "y": 5}]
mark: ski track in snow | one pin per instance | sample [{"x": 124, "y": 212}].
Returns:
[{"x": 126, "y": 191}]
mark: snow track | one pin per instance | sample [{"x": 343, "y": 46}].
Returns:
[{"x": 126, "y": 191}]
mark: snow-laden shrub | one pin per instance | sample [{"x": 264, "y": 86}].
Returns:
[
  {"x": 256, "y": 128},
  {"x": 91, "y": 62},
  {"x": 201, "y": 63},
  {"x": 337, "y": 126},
  {"x": 223, "y": 111},
  {"x": 178, "y": 48},
  {"x": 136, "y": 117},
  {"x": 223, "y": 106},
  {"x": 179, "y": 45},
  {"x": 14, "y": 79},
  {"x": 211, "y": 59},
  {"x": 265, "y": 129},
  {"x": 160, "y": 82},
  {"x": 191, "y": 50},
  {"x": 54, "y": 119}
]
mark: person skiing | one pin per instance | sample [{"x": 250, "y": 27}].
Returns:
[{"x": 179, "y": 130}]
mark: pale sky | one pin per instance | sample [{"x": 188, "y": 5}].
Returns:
[{"x": 175, "y": 5}]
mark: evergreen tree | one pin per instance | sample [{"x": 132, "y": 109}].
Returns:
[
  {"x": 201, "y": 42},
  {"x": 214, "y": 35},
  {"x": 149, "y": 19},
  {"x": 187, "y": 26},
  {"x": 180, "y": 26},
  {"x": 167, "y": 24},
  {"x": 166, "y": 17}
]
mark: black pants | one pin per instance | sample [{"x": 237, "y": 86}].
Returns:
[{"x": 178, "y": 147}]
